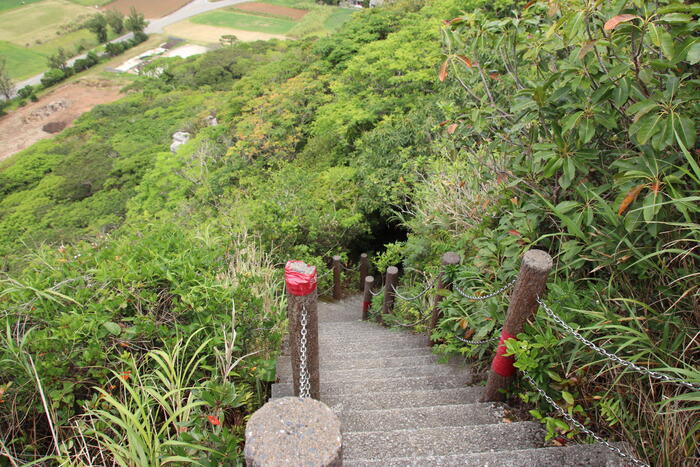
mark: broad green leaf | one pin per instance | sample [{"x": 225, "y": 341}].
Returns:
[
  {"x": 676, "y": 18},
  {"x": 685, "y": 128},
  {"x": 667, "y": 45},
  {"x": 694, "y": 53},
  {"x": 567, "y": 397},
  {"x": 113, "y": 328}
]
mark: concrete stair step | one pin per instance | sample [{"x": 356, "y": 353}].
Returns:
[
  {"x": 372, "y": 354},
  {"x": 380, "y": 336},
  {"x": 578, "y": 455},
  {"x": 442, "y": 441},
  {"x": 403, "y": 399},
  {"x": 284, "y": 363},
  {"x": 367, "y": 374},
  {"x": 381, "y": 385},
  {"x": 358, "y": 346},
  {"x": 421, "y": 417}
]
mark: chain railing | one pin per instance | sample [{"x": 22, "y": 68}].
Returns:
[
  {"x": 304, "y": 380},
  {"x": 533, "y": 274},
  {"x": 579, "y": 425},
  {"x": 487, "y": 296},
  {"x": 611, "y": 356}
]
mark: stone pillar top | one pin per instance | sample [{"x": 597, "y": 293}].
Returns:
[{"x": 293, "y": 431}]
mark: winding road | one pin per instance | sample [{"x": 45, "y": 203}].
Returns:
[{"x": 155, "y": 26}]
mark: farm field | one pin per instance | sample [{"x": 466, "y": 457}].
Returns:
[
  {"x": 21, "y": 62},
  {"x": 10, "y": 4},
  {"x": 263, "y": 20},
  {"x": 229, "y": 18},
  {"x": 151, "y": 9},
  {"x": 40, "y": 22}
]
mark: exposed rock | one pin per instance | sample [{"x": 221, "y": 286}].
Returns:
[
  {"x": 54, "y": 127},
  {"x": 212, "y": 121},
  {"x": 179, "y": 139}
]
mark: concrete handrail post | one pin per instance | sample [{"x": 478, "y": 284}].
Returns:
[
  {"x": 303, "y": 295},
  {"x": 367, "y": 297},
  {"x": 449, "y": 259},
  {"x": 364, "y": 269},
  {"x": 531, "y": 284},
  {"x": 293, "y": 431},
  {"x": 392, "y": 274},
  {"x": 336, "y": 277}
]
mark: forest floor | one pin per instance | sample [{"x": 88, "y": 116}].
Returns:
[
  {"x": 53, "y": 112},
  {"x": 212, "y": 34}
]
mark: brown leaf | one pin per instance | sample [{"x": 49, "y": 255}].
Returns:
[
  {"x": 463, "y": 323},
  {"x": 585, "y": 48},
  {"x": 529, "y": 4},
  {"x": 444, "y": 122},
  {"x": 614, "y": 21},
  {"x": 631, "y": 196},
  {"x": 451, "y": 129},
  {"x": 443, "y": 71},
  {"x": 466, "y": 61}
]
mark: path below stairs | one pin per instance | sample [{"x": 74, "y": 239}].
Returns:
[{"x": 399, "y": 407}]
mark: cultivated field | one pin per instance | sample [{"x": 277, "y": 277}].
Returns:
[
  {"x": 211, "y": 34},
  {"x": 266, "y": 9},
  {"x": 150, "y": 8},
  {"x": 230, "y": 18},
  {"x": 32, "y": 32},
  {"x": 262, "y": 20}
]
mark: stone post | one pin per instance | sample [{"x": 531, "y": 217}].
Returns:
[
  {"x": 531, "y": 284},
  {"x": 448, "y": 259},
  {"x": 336, "y": 277},
  {"x": 302, "y": 294},
  {"x": 293, "y": 431},
  {"x": 392, "y": 273},
  {"x": 367, "y": 297},
  {"x": 364, "y": 269}
]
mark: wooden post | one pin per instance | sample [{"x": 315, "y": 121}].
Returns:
[
  {"x": 364, "y": 269},
  {"x": 448, "y": 259},
  {"x": 392, "y": 273},
  {"x": 531, "y": 284},
  {"x": 336, "y": 277},
  {"x": 302, "y": 293},
  {"x": 367, "y": 297}
]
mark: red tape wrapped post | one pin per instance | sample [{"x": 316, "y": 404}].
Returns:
[
  {"x": 300, "y": 278},
  {"x": 365, "y": 308},
  {"x": 501, "y": 364}
]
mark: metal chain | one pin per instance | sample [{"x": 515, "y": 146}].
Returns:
[
  {"x": 485, "y": 297},
  {"x": 304, "y": 383},
  {"x": 416, "y": 297},
  {"x": 611, "y": 356},
  {"x": 347, "y": 268},
  {"x": 485, "y": 341},
  {"x": 579, "y": 425},
  {"x": 323, "y": 275},
  {"x": 374, "y": 294}
]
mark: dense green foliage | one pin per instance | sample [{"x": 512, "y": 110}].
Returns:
[{"x": 501, "y": 129}]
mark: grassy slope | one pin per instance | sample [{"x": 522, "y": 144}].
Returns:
[{"x": 21, "y": 62}]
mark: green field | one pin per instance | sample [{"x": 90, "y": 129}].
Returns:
[
  {"x": 236, "y": 20},
  {"x": 22, "y": 62},
  {"x": 10, "y": 4}
]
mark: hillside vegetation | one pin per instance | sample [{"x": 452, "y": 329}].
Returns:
[{"x": 142, "y": 309}]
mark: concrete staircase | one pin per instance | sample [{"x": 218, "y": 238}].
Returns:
[{"x": 399, "y": 407}]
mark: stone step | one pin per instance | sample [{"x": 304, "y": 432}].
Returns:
[
  {"x": 383, "y": 337},
  {"x": 420, "y": 417},
  {"x": 381, "y": 385},
  {"x": 374, "y": 354},
  {"x": 442, "y": 441},
  {"x": 284, "y": 362},
  {"x": 577, "y": 455},
  {"x": 346, "y": 348},
  {"x": 366, "y": 374},
  {"x": 403, "y": 399}
]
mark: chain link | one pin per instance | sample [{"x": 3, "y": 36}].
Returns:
[
  {"x": 611, "y": 356},
  {"x": 485, "y": 297},
  {"x": 304, "y": 383},
  {"x": 416, "y": 297},
  {"x": 374, "y": 294},
  {"x": 485, "y": 341},
  {"x": 349, "y": 269},
  {"x": 579, "y": 425}
]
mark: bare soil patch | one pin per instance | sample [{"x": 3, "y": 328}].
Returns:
[
  {"x": 211, "y": 34},
  {"x": 273, "y": 10},
  {"x": 150, "y": 8},
  {"x": 52, "y": 113}
]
